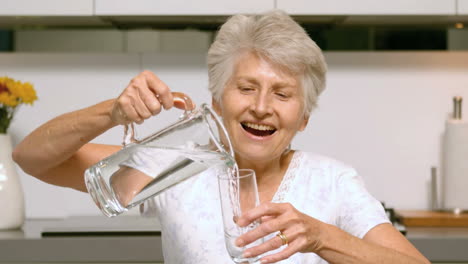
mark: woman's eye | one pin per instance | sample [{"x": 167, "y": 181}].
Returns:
[
  {"x": 246, "y": 89},
  {"x": 282, "y": 95}
]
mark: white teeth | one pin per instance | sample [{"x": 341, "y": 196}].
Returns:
[{"x": 258, "y": 127}]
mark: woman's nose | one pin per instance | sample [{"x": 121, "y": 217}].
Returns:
[{"x": 262, "y": 105}]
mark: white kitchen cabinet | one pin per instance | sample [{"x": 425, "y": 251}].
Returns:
[
  {"x": 180, "y": 7},
  {"x": 46, "y": 7},
  {"x": 462, "y": 7},
  {"x": 369, "y": 7}
]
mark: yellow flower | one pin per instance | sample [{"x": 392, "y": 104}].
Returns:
[
  {"x": 12, "y": 94},
  {"x": 8, "y": 99},
  {"x": 18, "y": 91},
  {"x": 3, "y": 84},
  {"x": 29, "y": 95},
  {"x": 23, "y": 91}
]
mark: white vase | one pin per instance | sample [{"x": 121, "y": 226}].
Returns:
[{"x": 11, "y": 193}]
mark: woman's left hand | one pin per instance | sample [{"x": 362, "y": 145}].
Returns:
[{"x": 300, "y": 232}]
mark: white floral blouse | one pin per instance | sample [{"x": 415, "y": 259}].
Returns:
[{"x": 328, "y": 190}]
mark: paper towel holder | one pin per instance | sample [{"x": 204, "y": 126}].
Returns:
[{"x": 456, "y": 119}]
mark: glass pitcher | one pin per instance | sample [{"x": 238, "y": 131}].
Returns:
[{"x": 143, "y": 168}]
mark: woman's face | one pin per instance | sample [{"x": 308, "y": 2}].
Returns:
[{"x": 262, "y": 108}]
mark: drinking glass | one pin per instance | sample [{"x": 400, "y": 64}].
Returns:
[{"x": 238, "y": 194}]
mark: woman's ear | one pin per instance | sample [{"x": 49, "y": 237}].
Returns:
[{"x": 304, "y": 123}]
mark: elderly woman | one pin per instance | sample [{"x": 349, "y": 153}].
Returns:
[{"x": 265, "y": 77}]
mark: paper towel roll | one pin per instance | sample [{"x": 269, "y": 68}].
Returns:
[{"x": 455, "y": 165}]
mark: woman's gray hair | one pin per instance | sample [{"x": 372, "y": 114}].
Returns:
[{"x": 274, "y": 36}]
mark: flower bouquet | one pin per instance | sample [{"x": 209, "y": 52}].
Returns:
[{"x": 12, "y": 94}]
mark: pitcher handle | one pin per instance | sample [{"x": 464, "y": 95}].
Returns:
[{"x": 129, "y": 129}]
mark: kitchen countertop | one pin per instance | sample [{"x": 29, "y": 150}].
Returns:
[
  {"x": 424, "y": 218},
  {"x": 138, "y": 239},
  {"x": 440, "y": 244},
  {"x": 440, "y": 235},
  {"x": 83, "y": 239}
]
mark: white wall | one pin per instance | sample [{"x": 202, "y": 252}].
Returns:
[{"x": 382, "y": 113}]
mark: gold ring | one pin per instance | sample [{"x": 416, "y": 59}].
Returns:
[{"x": 284, "y": 239}]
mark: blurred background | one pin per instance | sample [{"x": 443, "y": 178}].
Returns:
[{"x": 394, "y": 68}]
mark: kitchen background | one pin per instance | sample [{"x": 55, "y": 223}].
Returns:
[{"x": 390, "y": 85}]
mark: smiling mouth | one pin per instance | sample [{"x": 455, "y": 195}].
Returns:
[{"x": 258, "y": 130}]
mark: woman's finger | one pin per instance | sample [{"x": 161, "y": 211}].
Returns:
[
  {"x": 150, "y": 100},
  {"x": 160, "y": 89},
  {"x": 138, "y": 101},
  {"x": 129, "y": 113},
  {"x": 264, "y": 209},
  {"x": 287, "y": 252},
  {"x": 136, "y": 91},
  {"x": 267, "y": 218},
  {"x": 123, "y": 112},
  {"x": 143, "y": 112},
  {"x": 264, "y": 229},
  {"x": 144, "y": 97},
  {"x": 269, "y": 245}
]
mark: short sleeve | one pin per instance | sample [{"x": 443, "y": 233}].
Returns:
[{"x": 358, "y": 211}]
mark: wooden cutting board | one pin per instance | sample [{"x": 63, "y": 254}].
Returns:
[{"x": 431, "y": 218}]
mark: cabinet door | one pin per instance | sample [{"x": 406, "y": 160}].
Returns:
[
  {"x": 463, "y": 7},
  {"x": 181, "y": 7},
  {"x": 46, "y": 7},
  {"x": 368, "y": 7}
]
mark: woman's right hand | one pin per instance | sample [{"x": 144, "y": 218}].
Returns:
[{"x": 144, "y": 97}]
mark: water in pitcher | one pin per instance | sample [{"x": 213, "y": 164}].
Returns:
[{"x": 139, "y": 172}]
